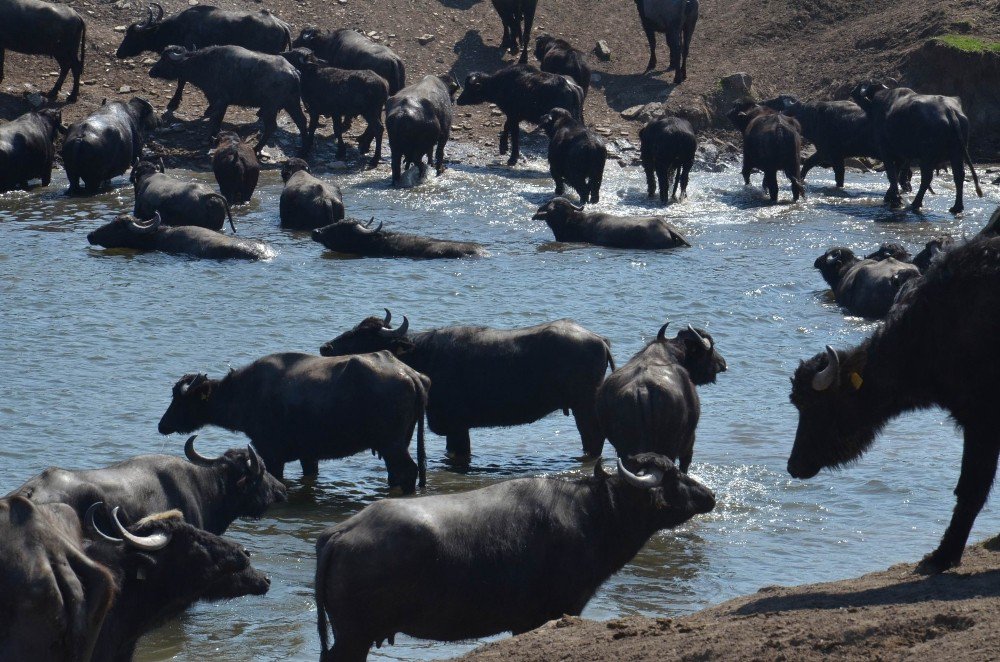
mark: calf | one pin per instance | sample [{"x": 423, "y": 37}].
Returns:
[
  {"x": 126, "y": 232},
  {"x": 418, "y": 120},
  {"x": 572, "y": 224},
  {"x": 353, "y": 237},
  {"x": 236, "y": 168},
  {"x": 453, "y": 578},
  {"x": 651, "y": 404},
  {"x": 523, "y": 94},
  {"x": 177, "y": 202},
  {"x": 576, "y": 155},
  {"x": 866, "y": 287},
  {"x": 557, "y": 56},
  {"x": 40, "y": 28},
  {"x": 104, "y": 145},
  {"x": 342, "y": 94},
  {"x": 771, "y": 142},
  {"x": 235, "y": 76},
  {"x": 667, "y": 149},
  {"x": 349, "y": 49},
  {"x": 27, "y": 148},
  {"x": 307, "y": 203},
  {"x": 516, "y": 17}
]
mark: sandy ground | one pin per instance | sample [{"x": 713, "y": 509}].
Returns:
[{"x": 888, "y": 615}]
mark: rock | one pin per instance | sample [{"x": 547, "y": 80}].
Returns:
[
  {"x": 633, "y": 112},
  {"x": 425, "y": 39},
  {"x": 149, "y": 60},
  {"x": 120, "y": 28},
  {"x": 35, "y": 99},
  {"x": 738, "y": 85},
  {"x": 602, "y": 50},
  {"x": 124, "y": 89},
  {"x": 123, "y": 4},
  {"x": 624, "y": 144},
  {"x": 192, "y": 2},
  {"x": 732, "y": 88}
]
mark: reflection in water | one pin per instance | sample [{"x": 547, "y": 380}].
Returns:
[{"x": 92, "y": 340}]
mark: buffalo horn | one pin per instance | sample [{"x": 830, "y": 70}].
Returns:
[
  {"x": 704, "y": 341},
  {"x": 92, "y": 525},
  {"x": 370, "y": 221},
  {"x": 401, "y": 331},
  {"x": 176, "y": 55},
  {"x": 826, "y": 377},
  {"x": 662, "y": 335},
  {"x": 150, "y": 543},
  {"x": 646, "y": 481},
  {"x": 388, "y": 318},
  {"x": 159, "y": 12},
  {"x": 576, "y": 207},
  {"x": 151, "y": 226},
  {"x": 379, "y": 228},
  {"x": 256, "y": 465},
  {"x": 194, "y": 456}
]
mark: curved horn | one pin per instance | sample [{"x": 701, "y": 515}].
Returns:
[
  {"x": 388, "y": 318},
  {"x": 370, "y": 221},
  {"x": 662, "y": 335},
  {"x": 704, "y": 341},
  {"x": 194, "y": 456},
  {"x": 176, "y": 56},
  {"x": 829, "y": 375},
  {"x": 159, "y": 12},
  {"x": 92, "y": 525},
  {"x": 401, "y": 331},
  {"x": 379, "y": 228},
  {"x": 149, "y": 19},
  {"x": 256, "y": 464},
  {"x": 647, "y": 481},
  {"x": 150, "y": 543}
]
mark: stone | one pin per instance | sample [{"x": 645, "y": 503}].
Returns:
[
  {"x": 425, "y": 39},
  {"x": 120, "y": 28},
  {"x": 124, "y": 89},
  {"x": 602, "y": 50}
]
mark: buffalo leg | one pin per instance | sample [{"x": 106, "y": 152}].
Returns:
[
  {"x": 747, "y": 169},
  {"x": 892, "y": 197},
  {"x": 814, "y": 160},
  {"x": 378, "y": 129},
  {"x": 839, "y": 171},
  {"x": 560, "y": 183},
  {"x": 529, "y": 19},
  {"x": 673, "y": 39},
  {"x": 771, "y": 184},
  {"x": 439, "y": 156},
  {"x": 294, "y": 111},
  {"x": 458, "y": 448},
  {"x": 685, "y": 174},
  {"x": 338, "y": 132},
  {"x": 793, "y": 177},
  {"x": 175, "y": 101},
  {"x": 397, "y": 167},
  {"x": 310, "y": 467},
  {"x": 926, "y": 177},
  {"x": 215, "y": 122},
  {"x": 958, "y": 172},
  {"x": 663, "y": 176},
  {"x": 589, "y": 428},
  {"x": 650, "y": 180},
  {"x": 63, "y": 72},
  {"x": 347, "y": 650},
  {"x": 979, "y": 467},
  {"x": 310, "y": 134},
  {"x": 596, "y": 180},
  {"x": 515, "y": 143},
  {"x": 401, "y": 468},
  {"x": 1, "y": 64},
  {"x": 905, "y": 175},
  {"x": 651, "y": 38},
  {"x": 77, "y": 67}
]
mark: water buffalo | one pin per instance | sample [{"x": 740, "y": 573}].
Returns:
[
  {"x": 482, "y": 377},
  {"x": 558, "y": 56},
  {"x": 127, "y": 232},
  {"x": 771, "y": 142},
  {"x": 516, "y": 17},
  {"x": 349, "y": 49},
  {"x": 577, "y": 155},
  {"x": 41, "y": 28},
  {"x": 104, "y": 145},
  {"x": 929, "y": 129},
  {"x": 236, "y": 168},
  {"x": 211, "y": 493},
  {"x": 651, "y": 404},
  {"x": 570, "y": 223},
  {"x": 342, "y": 94},
  {"x": 27, "y": 148},
  {"x": 351, "y": 236},
  {"x": 203, "y": 26},
  {"x": 177, "y": 202},
  {"x": 308, "y": 408},
  {"x": 235, "y": 76},
  {"x": 418, "y": 120},
  {"x": 667, "y": 148},
  {"x": 937, "y": 351},
  {"x": 523, "y": 94},
  {"x": 866, "y": 287},
  {"x": 454, "y": 578},
  {"x": 307, "y": 203},
  {"x": 677, "y": 20}
]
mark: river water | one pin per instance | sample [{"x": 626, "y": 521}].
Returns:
[{"x": 91, "y": 342}]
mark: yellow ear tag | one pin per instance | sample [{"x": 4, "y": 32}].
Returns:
[{"x": 856, "y": 381}]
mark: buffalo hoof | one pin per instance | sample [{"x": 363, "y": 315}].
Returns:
[
  {"x": 454, "y": 459},
  {"x": 935, "y": 563},
  {"x": 957, "y": 209},
  {"x": 395, "y": 491},
  {"x": 512, "y": 161},
  {"x": 373, "y": 164},
  {"x": 649, "y": 67}
]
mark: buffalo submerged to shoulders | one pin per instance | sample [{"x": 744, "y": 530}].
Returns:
[
  {"x": 350, "y": 236},
  {"x": 570, "y": 223}
]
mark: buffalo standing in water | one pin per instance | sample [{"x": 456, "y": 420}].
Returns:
[
  {"x": 126, "y": 232},
  {"x": 418, "y": 121},
  {"x": 937, "y": 350},
  {"x": 351, "y": 236},
  {"x": 179, "y": 203},
  {"x": 668, "y": 148},
  {"x": 236, "y": 168},
  {"x": 27, "y": 148},
  {"x": 771, "y": 142},
  {"x": 436, "y": 568}
]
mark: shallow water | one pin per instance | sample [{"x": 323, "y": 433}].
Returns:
[{"x": 92, "y": 340}]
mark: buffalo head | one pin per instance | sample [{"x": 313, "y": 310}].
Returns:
[
  {"x": 474, "y": 90},
  {"x": 864, "y": 93},
  {"x": 348, "y": 236},
  {"x": 554, "y": 119},
  {"x": 251, "y": 489},
  {"x": 783, "y": 103},
  {"x": 139, "y": 35},
  {"x": 292, "y": 166},
  {"x": 701, "y": 359},
  {"x": 306, "y": 38},
  {"x": 303, "y": 59},
  {"x": 832, "y": 263},
  {"x": 890, "y": 250},
  {"x": 543, "y": 43},
  {"x": 743, "y": 112},
  {"x": 141, "y": 170},
  {"x": 143, "y": 114},
  {"x": 189, "y": 407},
  {"x": 655, "y": 485},
  {"x": 371, "y": 335},
  {"x": 932, "y": 249},
  {"x": 170, "y": 66},
  {"x": 450, "y": 83},
  {"x": 125, "y": 232}
]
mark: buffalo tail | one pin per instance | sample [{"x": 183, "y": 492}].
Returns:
[{"x": 421, "y": 453}]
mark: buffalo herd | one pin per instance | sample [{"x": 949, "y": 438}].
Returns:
[{"x": 101, "y": 556}]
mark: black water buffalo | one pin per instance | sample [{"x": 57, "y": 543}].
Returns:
[
  {"x": 937, "y": 351},
  {"x": 483, "y": 377},
  {"x": 557, "y": 56},
  {"x": 577, "y": 155},
  {"x": 27, "y": 148},
  {"x": 235, "y": 76},
  {"x": 308, "y": 408},
  {"x": 523, "y": 94},
  {"x": 177, "y": 202},
  {"x": 676, "y": 19},
  {"x": 127, "y": 232},
  {"x": 351, "y": 236},
  {"x": 921, "y": 260},
  {"x": 203, "y": 26},
  {"x": 923, "y": 128},
  {"x": 349, "y": 49},
  {"x": 432, "y": 551},
  {"x": 572, "y": 224},
  {"x": 516, "y": 17},
  {"x": 651, "y": 404},
  {"x": 341, "y": 94},
  {"x": 771, "y": 142},
  {"x": 418, "y": 120},
  {"x": 41, "y": 28},
  {"x": 236, "y": 168},
  {"x": 667, "y": 148},
  {"x": 104, "y": 145},
  {"x": 866, "y": 287},
  {"x": 210, "y": 493},
  {"x": 307, "y": 203}
]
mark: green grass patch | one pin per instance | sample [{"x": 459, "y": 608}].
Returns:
[{"x": 968, "y": 44}]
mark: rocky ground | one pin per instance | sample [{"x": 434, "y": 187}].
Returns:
[{"x": 888, "y": 615}]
